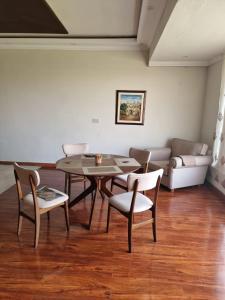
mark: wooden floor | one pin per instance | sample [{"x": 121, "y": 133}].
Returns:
[{"x": 187, "y": 262}]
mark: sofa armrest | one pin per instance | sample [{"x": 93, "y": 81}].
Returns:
[
  {"x": 189, "y": 161},
  {"x": 203, "y": 160},
  {"x": 159, "y": 153},
  {"x": 176, "y": 162}
]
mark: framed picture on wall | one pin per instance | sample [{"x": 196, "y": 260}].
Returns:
[{"x": 130, "y": 107}]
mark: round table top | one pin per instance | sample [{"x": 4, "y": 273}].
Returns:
[{"x": 84, "y": 164}]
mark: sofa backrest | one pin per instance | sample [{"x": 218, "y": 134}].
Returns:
[{"x": 184, "y": 147}]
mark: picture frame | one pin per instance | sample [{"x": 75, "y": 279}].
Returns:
[{"x": 130, "y": 107}]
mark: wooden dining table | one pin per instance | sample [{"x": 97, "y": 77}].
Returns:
[{"x": 98, "y": 175}]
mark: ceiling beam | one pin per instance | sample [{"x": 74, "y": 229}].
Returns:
[
  {"x": 144, "y": 7},
  {"x": 170, "y": 5}
]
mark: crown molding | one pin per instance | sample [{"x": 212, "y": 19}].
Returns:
[
  {"x": 216, "y": 59},
  {"x": 193, "y": 63},
  {"x": 121, "y": 44}
]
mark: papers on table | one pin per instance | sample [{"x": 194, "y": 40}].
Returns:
[
  {"x": 70, "y": 163},
  {"x": 102, "y": 170},
  {"x": 87, "y": 164},
  {"x": 126, "y": 162}
]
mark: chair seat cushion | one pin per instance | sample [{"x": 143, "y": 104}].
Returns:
[
  {"x": 80, "y": 177},
  {"x": 44, "y": 203},
  {"x": 160, "y": 164},
  {"x": 122, "y": 178},
  {"x": 123, "y": 202}
]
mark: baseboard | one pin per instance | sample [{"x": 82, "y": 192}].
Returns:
[
  {"x": 212, "y": 187},
  {"x": 39, "y": 164}
]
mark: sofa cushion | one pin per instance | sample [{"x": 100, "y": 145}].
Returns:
[
  {"x": 183, "y": 147},
  {"x": 159, "y": 153},
  {"x": 160, "y": 164}
]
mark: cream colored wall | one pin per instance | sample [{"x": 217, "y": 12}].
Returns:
[
  {"x": 211, "y": 103},
  {"x": 50, "y": 97}
]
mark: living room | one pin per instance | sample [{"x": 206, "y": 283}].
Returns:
[{"x": 62, "y": 88}]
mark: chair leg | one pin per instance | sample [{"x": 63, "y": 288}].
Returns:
[
  {"x": 130, "y": 233},
  {"x": 66, "y": 183},
  {"x": 37, "y": 229},
  {"x": 69, "y": 187},
  {"x": 154, "y": 225},
  {"x": 84, "y": 186},
  {"x": 48, "y": 215},
  {"x": 66, "y": 210},
  {"x": 20, "y": 221},
  {"x": 112, "y": 183},
  {"x": 108, "y": 218}
]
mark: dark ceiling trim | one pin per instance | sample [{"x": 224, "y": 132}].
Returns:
[
  {"x": 29, "y": 17},
  {"x": 68, "y": 37},
  {"x": 53, "y": 13}
]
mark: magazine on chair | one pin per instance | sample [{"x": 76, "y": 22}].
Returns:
[{"x": 47, "y": 193}]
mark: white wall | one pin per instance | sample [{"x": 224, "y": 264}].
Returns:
[
  {"x": 50, "y": 97},
  {"x": 211, "y": 104}
]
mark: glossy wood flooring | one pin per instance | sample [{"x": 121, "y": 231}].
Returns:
[{"x": 187, "y": 262}]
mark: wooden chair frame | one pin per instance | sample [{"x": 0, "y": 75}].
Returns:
[
  {"x": 130, "y": 215},
  {"x": 73, "y": 178},
  {"x": 70, "y": 179},
  {"x": 143, "y": 169},
  {"x": 37, "y": 210}
]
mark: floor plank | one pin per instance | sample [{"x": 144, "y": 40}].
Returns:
[{"x": 187, "y": 262}]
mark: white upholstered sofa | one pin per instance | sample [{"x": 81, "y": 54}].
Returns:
[{"x": 185, "y": 163}]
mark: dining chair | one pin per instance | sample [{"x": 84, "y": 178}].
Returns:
[
  {"x": 133, "y": 202},
  {"x": 30, "y": 178},
  {"x": 69, "y": 150},
  {"x": 143, "y": 157}
]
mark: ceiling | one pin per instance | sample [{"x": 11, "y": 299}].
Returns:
[
  {"x": 194, "y": 34},
  {"x": 175, "y": 32},
  {"x": 85, "y": 18},
  {"x": 89, "y": 24}
]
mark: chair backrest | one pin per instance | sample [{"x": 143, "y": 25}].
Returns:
[
  {"x": 142, "y": 156},
  {"x": 146, "y": 181},
  {"x": 24, "y": 175},
  {"x": 75, "y": 149}
]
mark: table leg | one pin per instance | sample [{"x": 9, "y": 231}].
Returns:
[
  {"x": 92, "y": 209},
  {"x": 99, "y": 183},
  {"x": 89, "y": 190},
  {"x": 95, "y": 186},
  {"x": 104, "y": 188}
]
